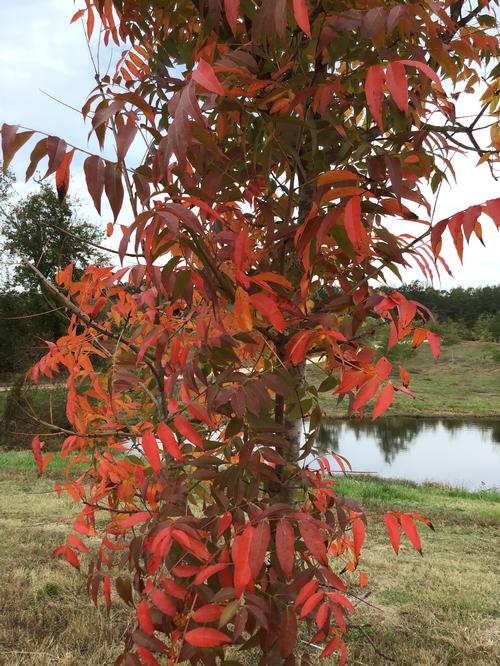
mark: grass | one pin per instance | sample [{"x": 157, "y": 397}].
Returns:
[
  {"x": 441, "y": 609},
  {"x": 464, "y": 381},
  {"x": 438, "y": 610}
]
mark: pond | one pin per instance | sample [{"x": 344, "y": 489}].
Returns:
[{"x": 460, "y": 453}]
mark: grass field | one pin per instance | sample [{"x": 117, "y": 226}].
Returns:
[
  {"x": 438, "y": 610},
  {"x": 464, "y": 381}
]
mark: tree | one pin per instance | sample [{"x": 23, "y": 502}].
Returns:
[
  {"x": 48, "y": 233},
  {"x": 282, "y": 140}
]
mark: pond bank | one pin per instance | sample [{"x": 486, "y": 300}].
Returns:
[{"x": 464, "y": 381}]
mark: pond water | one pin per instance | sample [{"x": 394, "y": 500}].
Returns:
[{"x": 461, "y": 453}]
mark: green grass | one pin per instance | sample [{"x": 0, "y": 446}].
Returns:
[
  {"x": 464, "y": 381},
  {"x": 440, "y": 609}
]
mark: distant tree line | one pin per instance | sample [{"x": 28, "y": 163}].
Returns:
[{"x": 470, "y": 313}]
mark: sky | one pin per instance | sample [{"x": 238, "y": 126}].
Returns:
[{"x": 41, "y": 51}]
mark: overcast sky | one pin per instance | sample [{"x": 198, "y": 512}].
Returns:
[{"x": 41, "y": 51}]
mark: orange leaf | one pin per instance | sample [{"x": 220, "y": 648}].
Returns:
[
  {"x": 336, "y": 176},
  {"x": 205, "y": 76},
  {"x": 62, "y": 175},
  {"x": 362, "y": 579},
  {"x": 242, "y": 310}
]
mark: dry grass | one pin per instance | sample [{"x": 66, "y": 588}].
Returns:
[
  {"x": 439, "y": 610},
  {"x": 46, "y": 617}
]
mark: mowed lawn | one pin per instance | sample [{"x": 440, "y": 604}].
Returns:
[{"x": 439, "y": 609}]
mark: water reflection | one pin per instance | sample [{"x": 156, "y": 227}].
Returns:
[{"x": 456, "y": 451}]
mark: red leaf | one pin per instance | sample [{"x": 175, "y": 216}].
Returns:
[
  {"x": 313, "y": 540},
  {"x": 384, "y": 400},
  {"x": 232, "y": 8},
  {"x": 71, "y": 557},
  {"x": 206, "y": 637},
  {"x": 56, "y": 150},
  {"x": 188, "y": 431},
  {"x": 308, "y": 589},
  {"x": 358, "y": 533},
  {"x": 208, "y": 613},
  {"x": 365, "y": 393},
  {"x": 332, "y": 646},
  {"x": 353, "y": 225},
  {"x": 224, "y": 522},
  {"x": 62, "y": 175},
  {"x": 397, "y": 84},
  {"x": 410, "y": 529},
  {"x": 434, "y": 343},
  {"x": 169, "y": 441},
  {"x": 240, "y": 554},
  {"x": 492, "y": 208},
  {"x": 287, "y": 632},
  {"x": 144, "y": 617},
  {"x": 41, "y": 461},
  {"x": 163, "y": 603},
  {"x": 301, "y": 14},
  {"x": 285, "y": 546},
  {"x": 94, "y": 175},
  {"x": 134, "y": 519},
  {"x": 114, "y": 187},
  {"x": 205, "y": 573},
  {"x": 260, "y": 543},
  {"x": 106, "y": 591},
  {"x": 205, "y": 76},
  {"x": 374, "y": 91},
  {"x": 125, "y": 135},
  {"x": 424, "y": 67},
  {"x": 75, "y": 542},
  {"x": 322, "y": 614},
  {"x": 267, "y": 306},
  {"x": 392, "y": 525},
  {"x": 174, "y": 589},
  {"x": 311, "y": 603},
  {"x": 151, "y": 451}
]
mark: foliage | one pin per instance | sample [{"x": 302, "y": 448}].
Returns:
[
  {"x": 281, "y": 140},
  {"x": 49, "y": 234},
  {"x": 487, "y": 327},
  {"x": 458, "y": 304}
]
